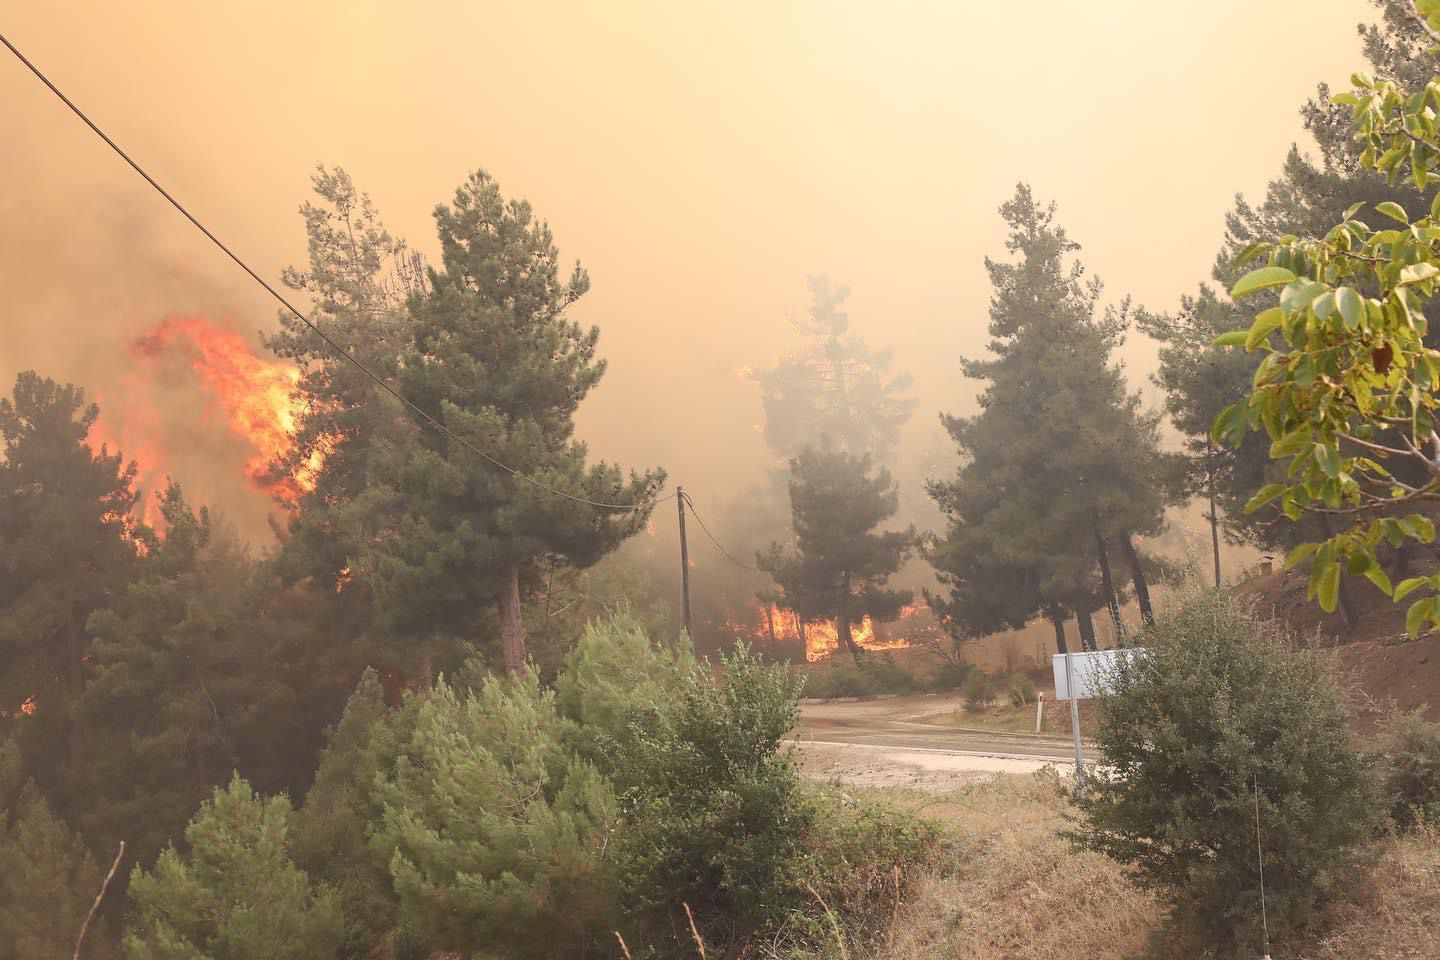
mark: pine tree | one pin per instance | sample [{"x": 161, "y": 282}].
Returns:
[
  {"x": 499, "y": 831},
  {"x": 1060, "y": 457},
  {"x": 835, "y": 387},
  {"x": 235, "y": 894},
  {"x": 360, "y": 278},
  {"x": 494, "y": 356},
  {"x": 839, "y": 565},
  {"x": 68, "y": 543},
  {"x": 48, "y": 878},
  {"x": 333, "y": 831},
  {"x": 190, "y": 684}
]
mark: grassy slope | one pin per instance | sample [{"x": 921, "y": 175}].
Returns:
[{"x": 1015, "y": 890}]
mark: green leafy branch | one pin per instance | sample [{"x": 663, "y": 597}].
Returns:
[{"x": 1346, "y": 387}]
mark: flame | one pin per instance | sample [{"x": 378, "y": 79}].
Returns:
[
  {"x": 822, "y": 637},
  {"x": 254, "y": 397},
  {"x": 28, "y": 707}
]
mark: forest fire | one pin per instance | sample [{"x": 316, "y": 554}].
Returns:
[
  {"x": 253, "y": 396},
  {"x": 822, "y": 637}
]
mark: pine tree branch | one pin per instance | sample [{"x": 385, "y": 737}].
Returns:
[
  {"x": 84, "y": 927},
  {"x": 1424, "y": 24}
]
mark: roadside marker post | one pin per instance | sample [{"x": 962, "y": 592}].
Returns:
[{"x": 1039, "y": 710}]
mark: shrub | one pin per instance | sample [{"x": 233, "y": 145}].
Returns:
[
  {"x": 1410, "y": 747},
  {"x": 1021, "y": 690},
  {"x": 711, "y": 805},
  {"x": 1219, "y": 707},
  {"x": 235, "y": 895},
  {"x": 886, "y": 675},
  {"x": 951, "y": 675},
  {"x": 498, "y": 830},
  {"x": 977, "y": 690}
]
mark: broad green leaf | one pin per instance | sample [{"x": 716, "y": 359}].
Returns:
[
  {"x": 1329, "y": 459},
  {"x": 1354, "y": 208},
  {"x": 1261, "y": 279},
  {"x": 1324, "y": 305},
  {"x": 1435, "y": 208},
  {"x": 1419, "y": 612},
  {"x": 1376, "y": 575},
  {"x": 1300, "y": 294},
  {"x": 1234, "y": 338},
  {"x": 1392, "y": 210},
  {"x": 1417, "y": 273},
  {"x": 1352, "y": 308},
  {"x": 1299, "y": 554},
  {"x": 1253, "y": 250},
  {"x": 1265, "y": 322},
  {"x": 1327, "y": 588},
  {"x": 1265, "y": 494},
  {"x": 1406, "y": 587}
]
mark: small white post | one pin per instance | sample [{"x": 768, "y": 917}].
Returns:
[{"x": 1039, "y": 711}]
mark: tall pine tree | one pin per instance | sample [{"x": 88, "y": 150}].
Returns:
[
  {"x": 67, "y": 546},
  {"x": 839, "y": 566},
  {"x": 1060, "y": 458},
  {"x": 495, "y": 357}
]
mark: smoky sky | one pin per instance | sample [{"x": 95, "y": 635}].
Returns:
[{"x": 700, "y": 160}]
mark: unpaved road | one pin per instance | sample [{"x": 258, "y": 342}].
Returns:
[{"x": 888, "y": 743}]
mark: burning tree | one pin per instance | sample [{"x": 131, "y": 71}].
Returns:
[{"x": 839, "y": 565}]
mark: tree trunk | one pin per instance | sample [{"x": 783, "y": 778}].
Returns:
[
  {"x": 512, "y": 627},
  {"x": 1137, "y": 574},
  {"x": 1057, "y": 620},
  {"x": 842, "y": 622},
  {"x": 1112, "y": 603},
  {"x": 1086, "y": 625},
  {"x": 424, "y": 673},
  {"x": 770, "y": 624}
]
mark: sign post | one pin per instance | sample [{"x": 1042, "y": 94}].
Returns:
[
  {"x": 1075, "y": 722},
  {"x": 1084, "y": 676},
  {"x": 1039, "y": 711}
]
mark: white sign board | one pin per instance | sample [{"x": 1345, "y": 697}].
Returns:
[{"x": 1092, "y": 671}]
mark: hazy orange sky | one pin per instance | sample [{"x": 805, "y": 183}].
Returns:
[{"x": 700, "y": 159}]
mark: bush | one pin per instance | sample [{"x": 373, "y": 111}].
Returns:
[
  {"x": 1410, "y": 747},
  {"x": 1219, "y": 706},
  {"x": 1021, "y": 690},
  {"x": 875, "y": 673},
  {"x": 499, "y": 830},
  {"x": 951, "y": 675},
  {"x": 839, "y": 680},
  {"x": 886, "y": 675},
  {"x": 977, "y": 690},
  {"x": 711, "y": 806}
]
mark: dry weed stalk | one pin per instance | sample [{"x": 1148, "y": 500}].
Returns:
[
  {"x": 699, "y": 944},
  {"x": 105, "y": 885}
]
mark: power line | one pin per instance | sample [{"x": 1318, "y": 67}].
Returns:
[
  {"x": 335, "y": 347},
  {"x": 717, "y": 543}
]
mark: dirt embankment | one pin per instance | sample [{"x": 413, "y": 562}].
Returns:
[{"x": 1384, "y": 666}]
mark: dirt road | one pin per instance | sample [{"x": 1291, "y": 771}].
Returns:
[{"x": 897, "y": 742}]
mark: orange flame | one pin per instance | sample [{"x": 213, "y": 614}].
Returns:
[
  {"x": 822, "y": 637},
  {"x": 254, "y": 397}
]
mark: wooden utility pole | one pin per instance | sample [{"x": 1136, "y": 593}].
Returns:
[{"x": 684, "y": 562}]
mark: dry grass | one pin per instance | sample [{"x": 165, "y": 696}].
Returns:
[
  {"x": 1014, "y": 890},
  {"x": 1395, "y": 912}
]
